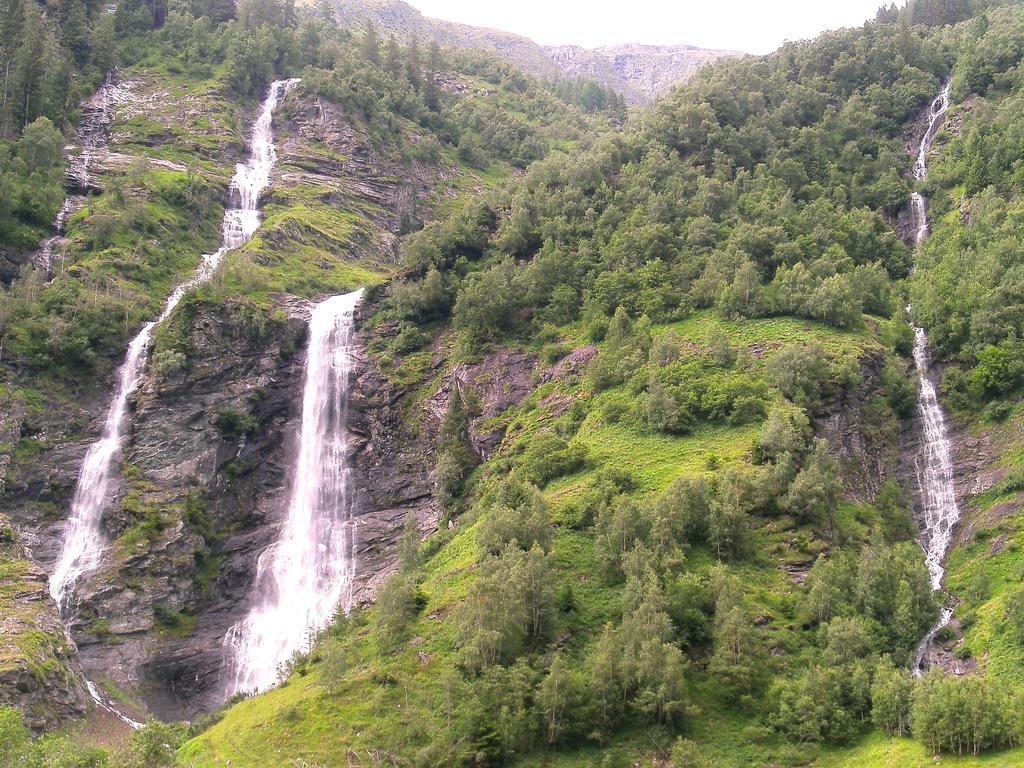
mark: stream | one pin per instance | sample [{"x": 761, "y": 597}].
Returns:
[
  {"x": 938, "y": 512},
  {"x": 304, "y": 578},
  {"x": 84, "y": 541}
]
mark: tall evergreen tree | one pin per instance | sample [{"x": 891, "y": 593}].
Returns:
[
  {"x": 370, "y": 46},
  {"x": 393, "y": 56}
]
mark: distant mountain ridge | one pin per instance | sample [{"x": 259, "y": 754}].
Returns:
[{"x": 639, "y": 72}]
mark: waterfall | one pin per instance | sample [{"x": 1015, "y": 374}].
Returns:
[
  {"x": 938, "y": 512},
  {"x": 306, "y": 576},
  {"x": 93, "y": 132},
  {"x": 84, "y": 542},
  {"x": 43, "y": 258}
]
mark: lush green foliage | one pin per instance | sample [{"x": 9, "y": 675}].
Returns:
[
  {"x": 757, "y": 189},
  {"x": 613, "y": 570},
  {"x": 642, "y": 588},
  {"x": 967, "y": 290},
  {"x": 130, "y": 242},
  {"x": 152, "y": 746},
  {"x": 51, "y": 54},
  {"x": 31, "y": 182}
]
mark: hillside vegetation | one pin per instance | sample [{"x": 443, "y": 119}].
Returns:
[
  {"x": 406, "y": 124},
  {"x": 677, "y": 522},
  {"x": 728, "y": 273}
]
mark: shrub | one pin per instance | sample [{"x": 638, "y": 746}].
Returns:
[
  {"x": 813, "y": 496},
  {"x": 154, "y": 745},
  {"x": 167, "y": 362},
  {"x": 548, "y": 456},
  {"x": 900, "y": 387},
  {"x": 516, "y": 513},
  {"x": 423, "y": 300},
  {"x": 1015, "y": 614},
  {"x": 399, "y": 600},
  {"x": 962, "y": 715},
  {"x": 798, "y": 371},
  {"x": 233, "y": 423},
  {"x": 409, "y": 339},
  {"x": 895, "y": 516}
]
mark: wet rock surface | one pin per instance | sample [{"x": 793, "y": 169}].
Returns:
[
  {"x": 40, "y": 673},
  {"x": 197, "y": 503},
  {"x": 499, "y": 381},
  {"x": 865, "y": 438},
  {"x": 205, "y": 463},
  {"x": 202, "y": 471},
  {"x": 393, "y": 471},
  {"x": 942, "y": 653}
]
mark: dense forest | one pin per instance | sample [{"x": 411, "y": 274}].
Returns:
[
  {"x": 694, "y": 539},
  {"x": 381, "y": 84}
]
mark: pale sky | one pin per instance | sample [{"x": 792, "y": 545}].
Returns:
[{"x": 754, "y": 26}]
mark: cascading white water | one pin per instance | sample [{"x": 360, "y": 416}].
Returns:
[
  {"x": 43, "y": 258},
  {"x": 934, "y": 465},
  {"x": 93, "y": 131},
  {"x": 938, "y": 513},
  {"x": 306, "y": 576},
  {"x": 83, "y": 537},
  {"x": 938, "y": 109}
]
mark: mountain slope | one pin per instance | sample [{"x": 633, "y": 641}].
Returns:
[
  {"x": 680, "y": 523},
  {"x": 632, "y": 413},
  {"x": 202, "y": 463},
  {"x": 639, "y": 72}
]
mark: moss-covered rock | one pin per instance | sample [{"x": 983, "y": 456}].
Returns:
[{"x": 39, "y": 669}]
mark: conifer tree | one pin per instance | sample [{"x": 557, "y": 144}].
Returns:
[{"x": 370, "y": 47}]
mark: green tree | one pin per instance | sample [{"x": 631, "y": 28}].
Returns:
[
  {"x": 620, "y": 526},
  {"x": 559, "y": 700},
  {"x": 154, "y": 745},
  {"x": 604, "y": 678},
  {"x": 742, "y": 298},
  {"x": 492, "y": 628},
  {"x": 399, "y": 600},
  {"x": 830, "y": 587},
  {"x": 456, "y": 456},
  {"x": 393, "y": 56},
  {"x": 962, "y": 715},
  {"x": 895, "y": 517},
  {"x": 42, "y": 148},
  {"x": 799, "y": 370},
  {"x": 737, "y": 662},
  {"x": 516, "y": 513},
  {"x": 891, "y": 698},
  {"x": 370, "y": 46},
  {"x": 813, "y": 495},
  {"x": 836, "y": 302}
]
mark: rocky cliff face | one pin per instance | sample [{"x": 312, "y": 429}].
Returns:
[
  {"x": 205, "y": 462},
  {"x": 639, "y": 72},
  {"x": 202, "y": 494},
  {"x": 406, "y": 22},
  {"x": 864, "y": 434},
  {"x": 203, "y": 468},
  {"x": 40, "y": 673}
]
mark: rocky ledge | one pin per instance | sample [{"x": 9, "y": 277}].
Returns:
[{"x": 39, "y": 669}]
